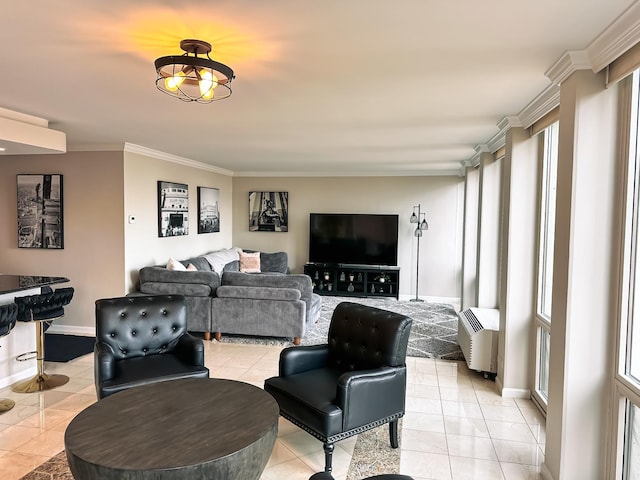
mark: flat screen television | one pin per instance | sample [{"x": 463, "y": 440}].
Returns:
[{"x": 355, "y": 238}]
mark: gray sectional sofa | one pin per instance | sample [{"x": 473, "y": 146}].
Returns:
[{"x": 223, "y": 300}]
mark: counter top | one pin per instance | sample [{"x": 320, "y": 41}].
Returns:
[{"x": 16, "y": 283}]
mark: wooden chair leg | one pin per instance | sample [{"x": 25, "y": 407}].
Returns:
[
  {"x": 328, "y": 456},
  {"x": 393, "y": 433},
  {"x": 218, "y": 336},
  {"x": 296, "y": 340},
  {"x": 207, "y": 335}
]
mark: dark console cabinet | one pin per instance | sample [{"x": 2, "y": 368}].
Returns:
[{"x": 354, "y": 280}]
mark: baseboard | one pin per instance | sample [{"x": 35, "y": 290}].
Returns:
[
  {"x": 511, "y": 392},
  {"x": 73, "y": 330},
  {"x": 545, "y": 473},
  {"x": 455, "y": 301},
  {"x": 16, "y": 377},
  {"x": 516, "y": 393}
]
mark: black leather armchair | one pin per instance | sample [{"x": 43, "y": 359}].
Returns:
[
  {"x": 141, "y": 340},
  {"x": 357, "y": 381}
]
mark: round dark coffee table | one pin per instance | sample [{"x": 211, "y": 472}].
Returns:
[{"x": 189, "y": 428}]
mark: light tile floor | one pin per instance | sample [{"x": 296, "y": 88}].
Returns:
[{"x": 455, "y": 428}]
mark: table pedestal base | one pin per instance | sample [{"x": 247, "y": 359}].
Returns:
[{"x": 6, "y": 404}]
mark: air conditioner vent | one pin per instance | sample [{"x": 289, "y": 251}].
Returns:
[{"x": 473, "y": 320}]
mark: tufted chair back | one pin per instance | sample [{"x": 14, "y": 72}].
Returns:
[
  {"x": 141, "y": 326},
  {"x": 8, "y": 315},
  {"x": 362, "y": 337},
  {"x": 48, "y": 305}
]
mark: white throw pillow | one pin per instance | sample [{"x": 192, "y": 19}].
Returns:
[
  {"x": 174, "y": 264},
  {"x": 219, "y": 259},
  {"x": 191, "y": 268}
]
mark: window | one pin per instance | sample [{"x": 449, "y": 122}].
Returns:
[
  {"x": 547, "y": 220},
  {"x": 628, "y": 369},
  {"x": 549, "y": 150}
]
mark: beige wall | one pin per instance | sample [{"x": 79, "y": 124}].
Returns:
[
  {"x": 440, "y": 247},
  {"x": 142, "y": 245},
  {"x": 93, "y": 254}
]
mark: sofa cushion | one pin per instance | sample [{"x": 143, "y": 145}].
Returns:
[
  {"x": 258, "y": 293},
  {"x": 169, "y": 288},
  {"x": 250, "y": 262},
  {"x": 199, "y": 262}
]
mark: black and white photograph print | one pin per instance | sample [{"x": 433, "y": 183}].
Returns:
[
  {"x": 40, "y": 209},
  {"x": 173, "y": 209},
  {"x": 268, "y": 211},
  {"x": 208, "y": 210}
]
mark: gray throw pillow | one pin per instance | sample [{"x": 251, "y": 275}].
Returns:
[{"x": 277, "y": 262}]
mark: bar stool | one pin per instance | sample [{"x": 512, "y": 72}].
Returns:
[
  {"x": 41, "y": 309},
  {"x": 8, "y": 316}
]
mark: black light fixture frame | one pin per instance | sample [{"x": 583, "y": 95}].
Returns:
[{"x": 189, "y": 65}]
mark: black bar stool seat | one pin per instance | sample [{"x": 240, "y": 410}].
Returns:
[
  {"x": 41, "y": 309},
  {"x": 8, "y": 316}
]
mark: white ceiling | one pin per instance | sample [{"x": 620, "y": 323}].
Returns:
[{"x": 322, "y": 87}]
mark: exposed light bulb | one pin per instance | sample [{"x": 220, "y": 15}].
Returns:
[
  {"x": 173, "y": 83},
  {"x": 208, "y": 81}
]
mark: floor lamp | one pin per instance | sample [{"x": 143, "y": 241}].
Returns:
[{"x": 418, "y": 218}]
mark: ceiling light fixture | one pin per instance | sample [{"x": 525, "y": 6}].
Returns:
[{"x": 193, "y": 78}]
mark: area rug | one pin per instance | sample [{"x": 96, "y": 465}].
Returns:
[
  {"x": 56, "y": 468},
  {"x": 372, "y": 455},
  {"x": 62, "y": 348},
  {"x": 434, "y": 332}
]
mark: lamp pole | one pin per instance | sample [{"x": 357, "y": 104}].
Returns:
[{"x": 419, "y": 218}]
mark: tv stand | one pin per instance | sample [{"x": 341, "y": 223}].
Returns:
[{"x": 350, "y": 280}]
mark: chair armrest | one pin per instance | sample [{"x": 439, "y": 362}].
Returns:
[
  {"x": 300, "y": 359},
  {"x": 367, "y": 395},
  {"x": 258, "y": 293},
  {"x": 190, "y": 350},
  {"x": 104, "y": 363}
]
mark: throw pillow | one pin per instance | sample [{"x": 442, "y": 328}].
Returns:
[
  {"x": 220, "y": 258},
  {"x": 174, "y": 264},
  {"x": 191, "y": 268},
  {"x": 250, "y": 262}
]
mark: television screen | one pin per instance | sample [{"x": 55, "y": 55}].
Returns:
[{"x": 361, "y": 239}]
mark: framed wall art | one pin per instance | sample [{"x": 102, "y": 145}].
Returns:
[
  {"x": 40, "y": 211},
  {"x": 268, "y": 211},
  {"x": 208, "y": 210},
  {"x": 173, "y": 209}
]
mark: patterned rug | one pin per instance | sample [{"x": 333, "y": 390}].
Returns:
[{"x": 434, "y": 332}]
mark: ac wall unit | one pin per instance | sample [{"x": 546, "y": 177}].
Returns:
[{"x": 478, "y": 338}]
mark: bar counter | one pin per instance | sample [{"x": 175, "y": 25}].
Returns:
[
  {"x": 17, "y": 283},
  {"x": 23, "y": 337}
]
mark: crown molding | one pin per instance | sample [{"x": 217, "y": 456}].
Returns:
[
  {"x": 616, "y": 39},
  {"x": 447, "y": 172},
  {"x": 97, "y": 147},
  {"x": 168, "y": 157},
  {"x": 568, "y": 63},
  {"x": 540, "y": 106}
]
